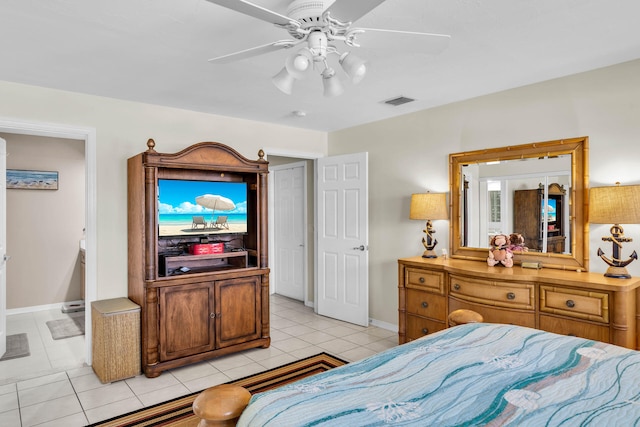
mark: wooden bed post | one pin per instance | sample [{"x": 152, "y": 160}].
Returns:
[
  {"x": 221, "y": 406},
  {"x": 463, "y": 316}
]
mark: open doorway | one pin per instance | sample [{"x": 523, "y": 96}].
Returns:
[
  {"x": 87, "y": 137},
  {"x": 291, "y": 243},
  {"x": 45, "y": 218}
]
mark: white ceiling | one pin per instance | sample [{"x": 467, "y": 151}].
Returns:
[{"x": 156, "y": 51}]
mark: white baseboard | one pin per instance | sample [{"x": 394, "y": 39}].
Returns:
[
  {"x": 383, "y": 325},
  {"x": 36, "y": 308}
]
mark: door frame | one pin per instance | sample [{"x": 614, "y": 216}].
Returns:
[
  {"x": 305, "y": 226},
  {"x": 3, "y": 248},
  {"x": 270, "y": 203},
  {"x": 88, "y": 135}
]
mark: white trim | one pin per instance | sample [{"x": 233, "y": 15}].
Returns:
[
  {"x": 383, "y": 325},
  {"x": 36, "y": 308},
  {"x": 289, "y": 153},
  {"x": 88, "y": 135}
]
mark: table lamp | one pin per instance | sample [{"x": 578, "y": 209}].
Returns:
[
  {"x": 618, "y": 205},
  {"x": 429, "y": 206}
]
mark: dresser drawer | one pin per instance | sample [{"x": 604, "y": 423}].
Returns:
[
  {"x": 424, "y": 279},
  {"x": 418, "y": 327},
  {"x": 574, "y": 328},
  {"x": 496, "y": 314},
  {"x": 499, "y": 294},
  {"x": 575, "y": 303},
  {"x": 426, "y": 304}
]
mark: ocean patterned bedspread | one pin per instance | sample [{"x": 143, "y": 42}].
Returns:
[{"x": 476, "y": 374}]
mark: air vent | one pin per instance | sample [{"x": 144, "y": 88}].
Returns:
[{"x": 398, "y": 101}]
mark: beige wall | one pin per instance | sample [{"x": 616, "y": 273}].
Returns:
[
  {"x": 409, "y": 154},
  {"x": 44, "y": 226},
  {"x": 122, "y": 130},
  {"x": 406, "y": 154}
]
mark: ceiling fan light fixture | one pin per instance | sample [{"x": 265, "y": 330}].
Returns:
[
  {"x": 284, "y": 81},
  {"x": 354, "y": 67},
  {"x": 321, "y": 24},
  {"x": 332, "y": 86}
]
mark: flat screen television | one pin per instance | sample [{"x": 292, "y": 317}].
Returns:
[
  {"x": 551, "y": 210},
  {"x": 194, "y": 208}
]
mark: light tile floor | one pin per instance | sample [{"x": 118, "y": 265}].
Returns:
[{"x": 68, "y": 393}]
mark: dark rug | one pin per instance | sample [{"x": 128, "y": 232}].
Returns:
[
  {"x": 67, "y": 327},
  {"x": 17, "y": 346},
  {"x": 178, "y": 412}
]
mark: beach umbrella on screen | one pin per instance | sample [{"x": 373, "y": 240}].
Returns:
[{"x": 215, "y": 203}]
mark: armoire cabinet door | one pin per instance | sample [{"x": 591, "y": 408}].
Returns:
[
  {"x": 239, "y": 310},
  {"x": 186, "y": 318}
]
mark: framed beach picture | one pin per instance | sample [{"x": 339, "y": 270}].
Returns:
[{"x": 32, "y": 180}]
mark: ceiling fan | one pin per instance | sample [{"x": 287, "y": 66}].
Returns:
[{"x": 320, "y": 24}]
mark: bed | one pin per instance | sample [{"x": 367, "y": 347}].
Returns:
[{"x": 474, "y": 374}]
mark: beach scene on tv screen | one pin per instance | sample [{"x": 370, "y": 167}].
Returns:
[{"x": 201, "y": 207}]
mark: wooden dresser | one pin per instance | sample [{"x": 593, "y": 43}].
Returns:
[{"x": 587, "y": 305}]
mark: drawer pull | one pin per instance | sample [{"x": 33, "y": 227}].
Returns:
[
  {"x": 511, "y": 295},
  {"x": 570, "y": 303},
  {"x": 212, "y": 315},
  {"x": 425, "y": 331},
  {"x": 425, "y": 304},
  {"x": 456, "y": 287},
  {"x": 421, "y": 280}
]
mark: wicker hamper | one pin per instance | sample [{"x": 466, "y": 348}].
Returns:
[{"x": 116, "y": 339}]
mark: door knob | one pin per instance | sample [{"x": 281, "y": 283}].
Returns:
[{"x": 359, "y": 248}]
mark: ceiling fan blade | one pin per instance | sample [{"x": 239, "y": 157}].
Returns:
[
  {"x": 254, "y": 10},
  {"x": 254, "y": 51},
  {"x": 429, "y": 43},
  {"x": 351, "y": 10}
]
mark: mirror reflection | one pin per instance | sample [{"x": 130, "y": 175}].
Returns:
[
  {"x": 536, "y": 190},
  {"x": 510, "y": 196}
]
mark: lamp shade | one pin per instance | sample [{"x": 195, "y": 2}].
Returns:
[
  {"x": 332, "y": 86},
  {"x": 615, "y": 204},
  {"x": 429, "y": 206},
  {"x": 353, "y": 66},
  {"x": 284, "y": 81}
]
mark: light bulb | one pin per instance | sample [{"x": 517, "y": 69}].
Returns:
[{"x": 301, "y": 63}]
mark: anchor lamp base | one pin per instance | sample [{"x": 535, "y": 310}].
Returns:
[
  {"x": 618, "y": 273},
  {"x": 429, "y": 253},
  {"x": 617, "y": 267},
  {"x": 429, "y": 242}
]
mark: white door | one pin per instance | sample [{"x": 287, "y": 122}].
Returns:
[
  {"x": 342, "y": 238},
  {"x": 3, "y": 245},
  {"x": 289, "y": 234}
]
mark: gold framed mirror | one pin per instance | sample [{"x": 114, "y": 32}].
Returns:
[{"x": 483, "y": 192}]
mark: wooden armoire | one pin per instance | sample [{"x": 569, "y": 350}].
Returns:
[{"x": 197, "y": 306}]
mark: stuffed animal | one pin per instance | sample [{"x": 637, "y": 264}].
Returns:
[
  {"x": 516, "y": 243},
  {"x": 499, "y": 252}
]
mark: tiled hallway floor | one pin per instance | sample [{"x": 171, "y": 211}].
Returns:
[{"x": 73, "y": 395}]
